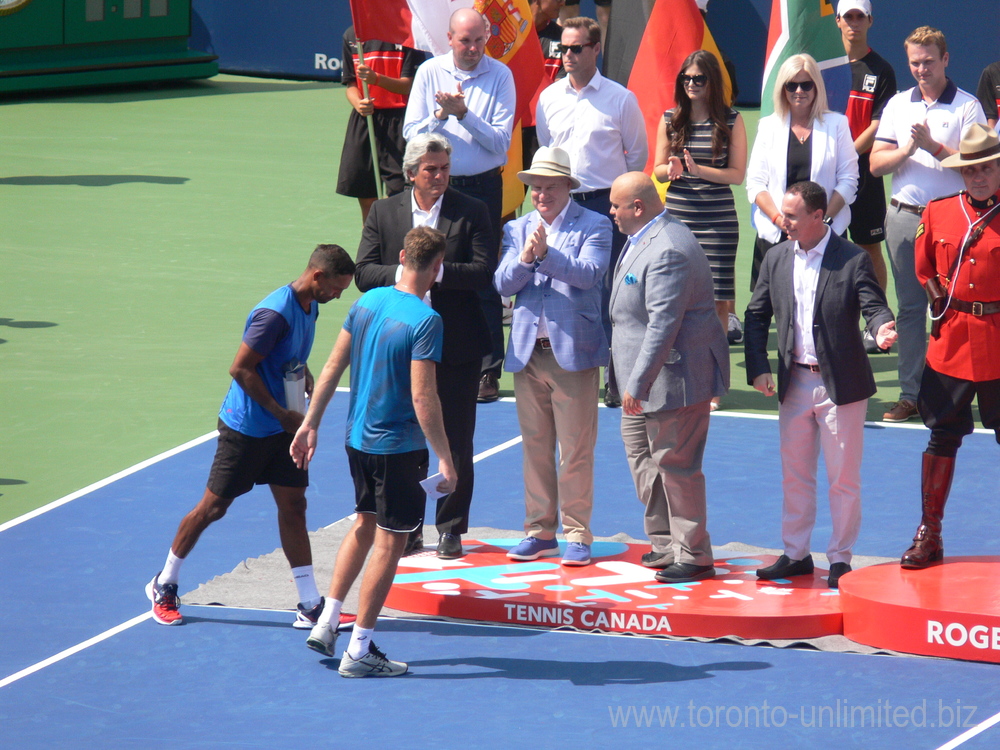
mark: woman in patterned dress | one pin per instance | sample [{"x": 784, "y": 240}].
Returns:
[{"x": 701, "y": 149}]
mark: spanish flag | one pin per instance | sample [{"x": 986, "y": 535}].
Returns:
[{"x": 673, "y": 30}]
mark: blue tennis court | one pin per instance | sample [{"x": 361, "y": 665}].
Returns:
[{"x": 81, "y": 665}]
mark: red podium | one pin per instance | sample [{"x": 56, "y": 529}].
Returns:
[
  {"x": 950, "y": 610},
  {"x": 614, "y": 594}
]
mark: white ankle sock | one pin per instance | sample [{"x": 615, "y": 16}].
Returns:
[
  {"x": 360, "y": 639},
  {"x": 331, "y": 613},
  {"x": 306, "y": 584},
  {"x": 171, "y": 569}
]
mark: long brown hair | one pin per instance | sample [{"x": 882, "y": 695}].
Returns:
[{"x": 679, "y": 126}]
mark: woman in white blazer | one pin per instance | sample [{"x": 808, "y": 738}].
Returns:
[{"x": 802, "y": 140}]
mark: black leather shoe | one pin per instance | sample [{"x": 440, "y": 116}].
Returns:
[
  {"x": 685, "y": 572},
  {"x": 489, "y": 388},
  {"x": 414, "y": 542},
  {"x": 785, "y": 567},
  {"x": 611, "y": 398},
  {"x": 450, "y": 546},
  {"x": 658, "y": 559},
  {"x": 836, "y": 571}
]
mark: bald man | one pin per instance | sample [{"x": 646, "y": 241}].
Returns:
[
  {"x": 669, "y": 358},
  {"x": 469, "y": 98}
]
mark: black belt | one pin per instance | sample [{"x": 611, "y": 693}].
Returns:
[
  {"x": 543, "y": 344},
  {"x": 908, "y": 207},
  {"x": 472, "y": 180},
  {"x": 975, "y": 308},
  {"x": 811, "y": 368},
  {"x": 591, "y": 194}
]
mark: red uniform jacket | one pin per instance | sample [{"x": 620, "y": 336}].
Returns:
[{"x": 967, "y": 346}]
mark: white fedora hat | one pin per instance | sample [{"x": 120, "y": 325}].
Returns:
[{"x": 550, "y": 161}]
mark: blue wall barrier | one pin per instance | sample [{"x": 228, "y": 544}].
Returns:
[{"x": 304, "y": 40}]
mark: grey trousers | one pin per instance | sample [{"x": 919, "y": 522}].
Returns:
[
  {"x": 911, "y": 318},
  {"x": 664, "y": 452}
]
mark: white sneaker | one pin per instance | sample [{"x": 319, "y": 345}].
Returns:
[
  {"x": 323, "y": 638},
  {"x": 372, "y": 664},
  {"x": 735, "y": 333}
]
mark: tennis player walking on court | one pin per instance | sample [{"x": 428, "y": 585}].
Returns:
[
  {"x": 256, "y": 424},
  {"x": 392, "y": 341}
]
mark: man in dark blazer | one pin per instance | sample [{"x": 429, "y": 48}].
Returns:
[
  {"x": 469, "y": 263},
  {"x": 816, "y": 285}
]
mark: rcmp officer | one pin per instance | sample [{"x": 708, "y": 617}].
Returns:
[{"x": 957, "y": 243}]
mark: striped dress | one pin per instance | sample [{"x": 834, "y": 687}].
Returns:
[{"x": 708, "y": 209}]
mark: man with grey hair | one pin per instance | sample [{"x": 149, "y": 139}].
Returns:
[
  {"x": 469, "y": 262},
  {"x": 470, "y": 98}
]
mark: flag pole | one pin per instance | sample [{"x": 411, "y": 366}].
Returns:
[{"x": 371, "y": 129}]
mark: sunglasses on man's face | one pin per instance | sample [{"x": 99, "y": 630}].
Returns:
[
  {"x": 792, "y": 86},
  {"x": 699, "y": 80},
  {"x": 576, "y": 49}
]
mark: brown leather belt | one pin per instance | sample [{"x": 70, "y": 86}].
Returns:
[
  {"x": 543, "y": 344},
  {"x": 975, "y": 308},
  {"x": 811, "y": 368},
  {"x": 908, "y": 207}
]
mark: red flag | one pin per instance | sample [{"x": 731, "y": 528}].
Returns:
[{"x": 674, "y": 30}]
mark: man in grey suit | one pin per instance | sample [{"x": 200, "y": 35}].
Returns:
[
  {"x": 555, "y": 259},
  {"x": 669, "y": 358},
  {"x": 816, "y": 285}
]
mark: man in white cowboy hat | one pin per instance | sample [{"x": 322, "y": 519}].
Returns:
[
  {"x": 554, "y": 262},
  {"x": 957, "y": 243}
]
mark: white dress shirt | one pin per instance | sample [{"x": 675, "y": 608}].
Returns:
[
  {"x": 423, "y": 218},
  {"x": 600, "y": 127},
  {"x": 805, "y": 278},
  {"x": 479, "y": 141},
  {"x": 552, "y": 239}
]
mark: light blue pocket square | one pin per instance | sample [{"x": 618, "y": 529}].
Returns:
[{"x": 630, "y": 279}]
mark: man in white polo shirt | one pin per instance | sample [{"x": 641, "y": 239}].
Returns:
[
  {"x": 919, "y": 128},
  {"x": 599, "y": 124}
]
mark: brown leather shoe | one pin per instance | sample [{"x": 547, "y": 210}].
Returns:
[
  {"x": 935, "y": 483},
  {"x": 901, "y": 411},
  {"x": 489, "y": 388}
]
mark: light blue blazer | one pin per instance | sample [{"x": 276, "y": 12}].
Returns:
[{"x": 565, "y": 287}]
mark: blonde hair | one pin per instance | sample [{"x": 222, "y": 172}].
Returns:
[
  {"x": 925, "y": 36},
  {"x": 788, "y": 70}
]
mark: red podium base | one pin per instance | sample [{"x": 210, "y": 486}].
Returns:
[
  {"x": 950, "y": 610},
  {"x": 614, "y": 594}
]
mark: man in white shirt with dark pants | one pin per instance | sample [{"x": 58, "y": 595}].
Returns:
[
  {"x": 918, "y": 129},
  {"x": 598, "y": 122}
]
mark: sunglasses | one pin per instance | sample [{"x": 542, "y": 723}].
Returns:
[
  {"x": 698, "y": 81},
  {"x": 576, "y": 49},
  {"x": 792, "y": 86}
]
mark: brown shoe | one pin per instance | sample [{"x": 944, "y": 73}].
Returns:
[
  {"x": 489, "y": 388},
  {"x": 935, "y": 482},
  {"x": 901, "y": 411}
]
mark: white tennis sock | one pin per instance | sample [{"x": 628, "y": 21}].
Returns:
[
  {"x": 171, "y": 569},
  {"x": 360, "y": 639},
  {"x": 306, "y": 584},
  {"x": 331, "y": 613}
]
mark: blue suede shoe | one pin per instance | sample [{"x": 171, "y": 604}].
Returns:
[
  {"x": 531, "y": 548},
  {"x": 577, "y": 553}
]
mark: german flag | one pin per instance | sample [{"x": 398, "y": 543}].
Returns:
[{"x": 673, "y": 30}]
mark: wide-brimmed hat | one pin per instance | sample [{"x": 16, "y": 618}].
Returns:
[
  {"x": 979, "y": 144},
  {"x": 550, "y": 161}
]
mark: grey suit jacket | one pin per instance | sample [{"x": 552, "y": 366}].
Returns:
[
  {"x": 846, "y": 289},
  {"x": 668, "y": 348}
]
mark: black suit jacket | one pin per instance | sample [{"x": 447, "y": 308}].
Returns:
[
  {"x": 847, "y": 289},
  {"x": 469, "y": 263}
]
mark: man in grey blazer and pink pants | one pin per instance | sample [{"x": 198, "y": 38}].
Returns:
[{"x": 669, "y": 358}]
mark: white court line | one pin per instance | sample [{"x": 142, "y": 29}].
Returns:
[
  {"x": 978, "y": 729},
  {"x": 74, "y": 649},
  {"x": 109, "y": 480}
]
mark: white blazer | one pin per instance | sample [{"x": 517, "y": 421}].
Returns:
[{"x": 834, "y": 166}]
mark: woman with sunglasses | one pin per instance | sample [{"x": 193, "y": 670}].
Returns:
[
  {"x": 802, "y": 140},
  {"x": 701, "y": 149}
]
